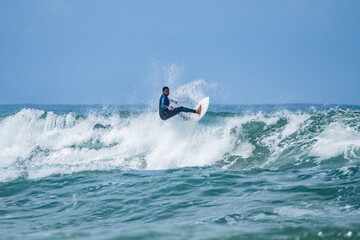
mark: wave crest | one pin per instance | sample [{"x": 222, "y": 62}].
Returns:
[{"x": 40, "y": 143}]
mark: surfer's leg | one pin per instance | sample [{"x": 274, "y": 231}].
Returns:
[
  {"x": 170, "y": 113},
  {"x": 175, "y": 111},
  {"x": 184, "y": 109},
  {"x": 198, "y": 111}
]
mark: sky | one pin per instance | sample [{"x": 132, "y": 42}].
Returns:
[{"x": 121, "y": 52}]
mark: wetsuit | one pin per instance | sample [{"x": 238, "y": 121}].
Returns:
[{"x": 166, "y": 113}]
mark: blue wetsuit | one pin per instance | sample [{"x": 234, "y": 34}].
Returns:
[{"x": 166, "y": 113}]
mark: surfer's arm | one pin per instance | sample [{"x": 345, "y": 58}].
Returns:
[
  {"x": 163, "y": 106},
  {"x": 174, "y": 101}
]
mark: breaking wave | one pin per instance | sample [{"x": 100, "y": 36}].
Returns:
[{"x": 35, "y": 143}]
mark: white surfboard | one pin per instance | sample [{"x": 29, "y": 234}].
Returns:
[{"x": 204, "y": 107}]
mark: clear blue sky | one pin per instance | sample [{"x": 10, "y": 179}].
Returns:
[{"x": 56, "y": 51}]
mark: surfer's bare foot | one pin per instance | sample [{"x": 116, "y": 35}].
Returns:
[{"x": 198, "y": 111}]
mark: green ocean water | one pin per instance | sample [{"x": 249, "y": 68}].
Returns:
[{"x": 242, "y": 172}]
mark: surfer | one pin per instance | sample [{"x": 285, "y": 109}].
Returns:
[{"x": 166, "y": 111}]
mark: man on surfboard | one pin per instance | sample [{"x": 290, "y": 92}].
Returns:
[{"x": 166, "y": 111}]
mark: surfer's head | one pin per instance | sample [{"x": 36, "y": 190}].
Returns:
[{"x": 166, "y": 91}]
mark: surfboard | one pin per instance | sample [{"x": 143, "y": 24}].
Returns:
[{"x": 204, "y": 107}]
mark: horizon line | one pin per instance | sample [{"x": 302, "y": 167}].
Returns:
[{"x": 137, "y": 104}]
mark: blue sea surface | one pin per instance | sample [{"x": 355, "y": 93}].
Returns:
[{"x": 119, "y": 172}]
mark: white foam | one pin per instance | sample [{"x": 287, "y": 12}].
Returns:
[
  {"x": 296, "y": 122},
  {"x": 289, "y": 211},
  {"x": 335, "y": 140},
  {"x": 42, "y": 143},
  {"x": 49, "y": 143},
  {"x": 244, "y": 150}
]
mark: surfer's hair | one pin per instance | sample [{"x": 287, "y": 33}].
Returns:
[{"x": 164, "y": 88}]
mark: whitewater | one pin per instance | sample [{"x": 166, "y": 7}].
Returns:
[
  {"x": 120, "y": 172},
  {"x": 40, "y": 143}
]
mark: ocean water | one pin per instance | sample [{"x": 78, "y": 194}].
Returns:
[{"x": 119, "y": 172}]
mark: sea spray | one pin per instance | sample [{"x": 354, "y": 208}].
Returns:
[{"x": 185, "y": 92}]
